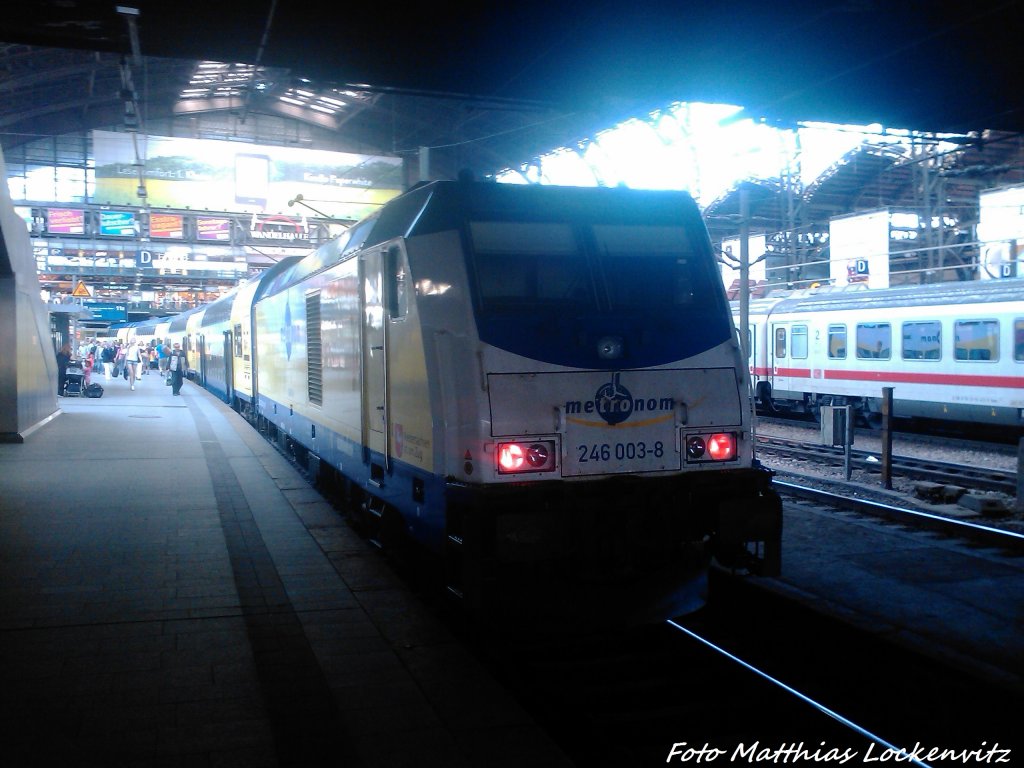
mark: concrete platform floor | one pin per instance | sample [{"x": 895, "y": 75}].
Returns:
[{"x": 173, "y": 593}]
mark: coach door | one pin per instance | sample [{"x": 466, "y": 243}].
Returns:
[
  {"x": 778, "y": 356},
  {"x": 229, "y": 366},
  {"x": 374, "y": 353},
  {"x": 201, "y": 358}
]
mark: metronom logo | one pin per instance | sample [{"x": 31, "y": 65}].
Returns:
[{"x": 614, "y": 403}]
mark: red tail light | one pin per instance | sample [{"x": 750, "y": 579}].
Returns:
[
  {"x": 720, "y": 446},
  {"x": 522, "y": 456}
]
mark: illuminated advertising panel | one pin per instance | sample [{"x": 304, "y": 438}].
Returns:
[
  {"x": 242, "y": 177},
  {"x": 1001, "y": 233},
  {"x": 859, "y": 249},
  {"x": 117, "y": 224},
  {"x": 213, "y": 229},
  {"x": 167, "y": 225},
  {"x": 65, "y": 221},
  {"x": 284, "y": 230}
]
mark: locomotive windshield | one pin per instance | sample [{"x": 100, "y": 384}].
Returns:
[
  {"x": 603, "y": 269},
  {"x": 552, "y": 290}
]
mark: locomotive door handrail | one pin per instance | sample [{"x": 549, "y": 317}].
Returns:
[{"x": 386, "y": 406}]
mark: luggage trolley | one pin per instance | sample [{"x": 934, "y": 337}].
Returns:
[{"x": 74, "y": 380}]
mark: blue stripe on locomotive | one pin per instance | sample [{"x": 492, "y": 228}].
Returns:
[{"x": 572, "y": 342}]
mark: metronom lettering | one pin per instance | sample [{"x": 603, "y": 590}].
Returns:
[{"x": 604, "y": 405}]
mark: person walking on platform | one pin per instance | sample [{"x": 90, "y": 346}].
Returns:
[
  {"x": 63, "y": 360},
  {"x": 132, "y": 359},
  {"x": 177, "y": 365},
  {"x": 119, "y": 350},
  {"x": 163, "y": 351},
  {"x": 107, "y": 356}
]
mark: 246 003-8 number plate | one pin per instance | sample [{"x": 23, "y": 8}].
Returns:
[
  {"x": 648, "y": 453},
  {"x": 619, "y": 451}
]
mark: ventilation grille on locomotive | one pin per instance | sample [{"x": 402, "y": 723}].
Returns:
[{"x": 314, "y": 357}]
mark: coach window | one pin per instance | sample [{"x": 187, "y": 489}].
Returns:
[
  {"x": 1018, "y": 339},
  {"x": 976, "y": 340},
  {"x": 398, "y": 297},
  {"x": 874, "y": 341},
  {"x": 922, "y": 341},
  {"x": 837, "y": 342},
  {"x": 798, "y": 341},
  {"x": 780, "y": 342}
]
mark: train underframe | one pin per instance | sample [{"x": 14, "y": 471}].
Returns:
[
  {"x": 630, "y": 549},
  {"x": 591, "y": 549}
]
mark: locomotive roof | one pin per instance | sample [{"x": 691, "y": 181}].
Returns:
[
  {"x": 438, "y": 206},
  {"x": 959, "y": 293}
]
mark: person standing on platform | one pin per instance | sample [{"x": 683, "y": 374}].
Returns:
[
  {"x": 63, "y": 360},
  {"x": 177, "y": 366}
]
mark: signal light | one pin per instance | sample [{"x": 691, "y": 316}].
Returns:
[
  {"x": 720, "y": 446},
  {"x": 519, "y": 457}
]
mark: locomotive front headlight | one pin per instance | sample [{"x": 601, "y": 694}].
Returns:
[
  {"x": 695, "y": 447},
  {"x": 517, "y": 457},
  {"x": 537, "y": 455}
]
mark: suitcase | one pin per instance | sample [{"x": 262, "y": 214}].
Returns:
[{"x": 93, "y": 390}]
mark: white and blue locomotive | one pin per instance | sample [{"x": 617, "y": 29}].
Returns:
[{"x": 537, "y": 384}]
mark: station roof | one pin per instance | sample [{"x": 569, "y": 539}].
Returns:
[
  {"x": 878, "y": 176},
  {"x": 494, "y": 87}
]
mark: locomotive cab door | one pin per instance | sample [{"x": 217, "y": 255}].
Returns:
[
  {"x": 385, "y": 302},
  {"x": 374, "y": 353}
]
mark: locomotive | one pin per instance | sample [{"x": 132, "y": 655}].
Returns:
[
  {"x": 951, "y": 351},
  {"x": 541, "y": 387}
]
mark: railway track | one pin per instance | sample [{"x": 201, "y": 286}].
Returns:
[
  {"x": 1010, "y": 541},
  {"x": 752, "y": 674},
  {"x": 971, "y": 477}
]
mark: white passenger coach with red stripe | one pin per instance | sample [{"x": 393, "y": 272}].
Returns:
[{"x": 951, "y": 351}]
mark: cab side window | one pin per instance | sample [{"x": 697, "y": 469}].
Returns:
[{"x": 397, "y": 283}]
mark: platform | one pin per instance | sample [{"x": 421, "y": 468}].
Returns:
[{"x": 173, "y": 592}]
